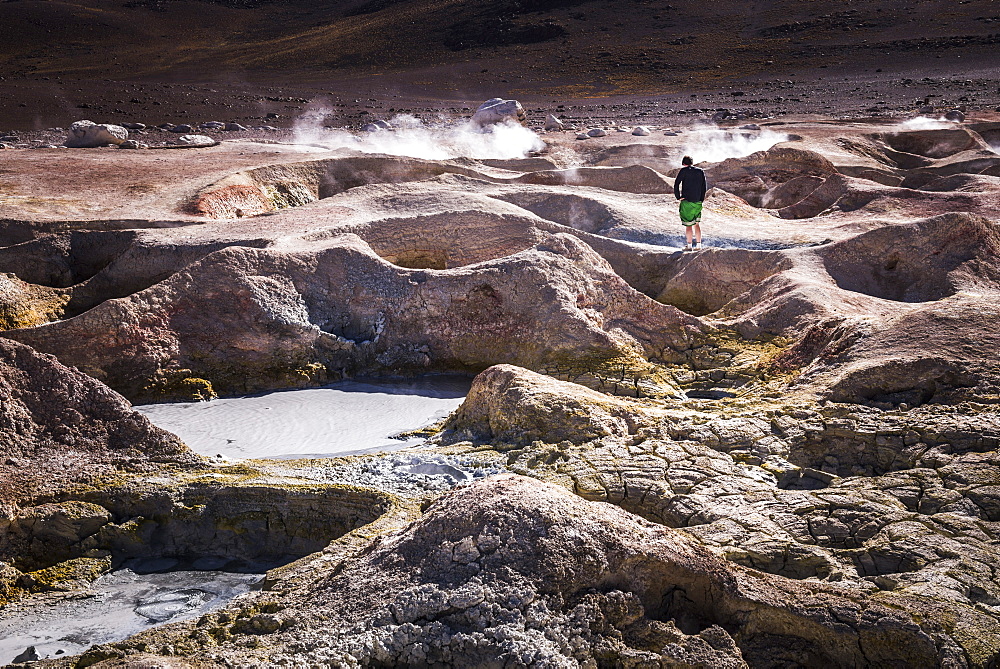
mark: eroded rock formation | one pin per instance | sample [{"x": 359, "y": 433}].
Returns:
[{"x": 792, "y": 434}]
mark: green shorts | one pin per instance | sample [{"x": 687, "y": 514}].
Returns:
[{"x": 690, "y": 213}]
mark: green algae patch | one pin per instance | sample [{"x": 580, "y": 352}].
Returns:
[
  {"x": 25, "y": 305},
  {"x": 69, "y": 575},
  {"x": 178, "y": 386},
  {"x": 285, "y": 194},
  {"x": 627, "y": 376}
]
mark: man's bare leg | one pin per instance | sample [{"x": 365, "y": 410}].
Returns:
[
  {"x": 697, "y": 233},
  {"x": 688, "y": 233}
]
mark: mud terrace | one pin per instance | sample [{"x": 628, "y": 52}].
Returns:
[{"x": 782, "y": 450}]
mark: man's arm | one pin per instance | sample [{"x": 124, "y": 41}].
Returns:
[
  {"x": 704, "y": 185},
  {"x": 677, "y": 184}
]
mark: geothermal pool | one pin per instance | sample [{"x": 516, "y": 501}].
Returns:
[
  {"x": 116, "y": 606},
  {"x": 344, "y": 418}
]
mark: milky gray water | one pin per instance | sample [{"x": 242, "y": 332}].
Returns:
[
  {"x": 339, "y": 419},
  {"x": 116, "y": 606}
]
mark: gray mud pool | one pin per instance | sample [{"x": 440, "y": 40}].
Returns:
[
  {"x": 350, "y": 417},
  {"x": 116, "y": 606},
  {"x": 344, "y": 418}
]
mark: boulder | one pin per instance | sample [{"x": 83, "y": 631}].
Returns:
[
  {"x": 596, "y": 132},
  {"x": 87, "y": 134},
  {"x": 234, "y": 127},
  {"x": 582, "y": 135},
  {"x": 195, "y": 141},
  {"x": 183, "y": 127},
  {"x": 720, "y": 116},
  {"x": 376, "y": 126},
  {"x": 133, "y": 144},
  {"x": 641, "y": 131},
  {"x": 955, "y": 115},
  {"x": 552, "y": 123},
  {"x": 212, "y": 125},
  {"x": 134, "y": 126},
  {"x": 498, "y": 110}
]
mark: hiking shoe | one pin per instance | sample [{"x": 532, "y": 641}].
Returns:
[
  {"x": 687, "y": 247},
  {"x": 698, "y": 246}
]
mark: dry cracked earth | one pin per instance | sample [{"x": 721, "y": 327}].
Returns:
[{"x": 778, "y": 451}]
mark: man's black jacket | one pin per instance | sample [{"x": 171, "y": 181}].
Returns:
[{"x": 691, "y": 184}]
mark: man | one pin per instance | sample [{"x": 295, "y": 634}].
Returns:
[{"x": 690, "y": 188}]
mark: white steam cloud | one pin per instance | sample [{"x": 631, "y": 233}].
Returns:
[
  {"x": 712, "y": 145},
  {"x": 926, "y": 123},
  {"x": 412, "y": 137}
]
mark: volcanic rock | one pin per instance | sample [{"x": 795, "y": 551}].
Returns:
[
  {"x": 954, "y": 115},
  {"x": 498, "y": 110},
  {"x": 552, "y": 123},
  {"x": 596, "y": 132},
  {"x": 245, "y": 318},
  {"x": 195, "y": 141},
  {"x": 511, "y": 569},
  {"x": 87, "y": 134},
  {"x": 641, "y": 131},
  {"x": 60, "y": 426}
]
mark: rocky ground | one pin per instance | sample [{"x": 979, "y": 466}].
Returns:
[{"x": 779, "y": 450}]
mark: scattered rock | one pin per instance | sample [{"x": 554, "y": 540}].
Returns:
[
  {"x": 195, "y": 141},
  {"x": 720, "y": 116},
  {"x": 211, "y": 125},
  {"x": 376, "y": 126},
  {"x": 582, "y": 135},
  {"x": 133, "y": 144},
  {"x": 183, "y": 127},
  {"x": 134, "y": 126},
  {"x": 87, "y": 134},
  {"x": 498, "y": 110},
  {"x": 597, "y": 132},
  {"x": 750, "y": 126},
  {"x": 955, "y": 115},
  {"x": 552, "y": 123},
  {"x": 641, "y": 131},
  {"x": 234, "y": 127},
  {"x": 925, "y": 109},
  {"x": 27, "y": 655}
]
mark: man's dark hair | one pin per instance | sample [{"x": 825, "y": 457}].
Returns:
[{"x": 687, "y": 160}]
